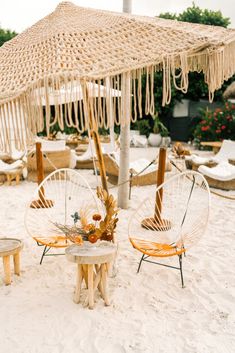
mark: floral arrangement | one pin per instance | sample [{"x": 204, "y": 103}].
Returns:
[
  {"x": 103, "y": 229},
  {"x": 216, "y": 125}
]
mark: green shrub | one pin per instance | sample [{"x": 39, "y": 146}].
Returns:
[
  {"x": 144, "y": 127},
  {"x": 216, "y": 125}
]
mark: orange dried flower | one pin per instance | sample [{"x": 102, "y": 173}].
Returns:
[
  {"x": 77, "y": 239},
  {"x": 89, "y": 227},
  {"x": 96, "y": 217},
  {"x": 92, "y": 238}
]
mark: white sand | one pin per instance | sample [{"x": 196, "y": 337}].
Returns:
[{"x": 150, "y": 312}]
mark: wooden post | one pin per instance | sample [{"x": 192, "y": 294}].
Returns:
[
  {"x": 90, "y": 286},
  {"x": 42, "y": 202},
  {"x": 156, "y": 222},
  {"x": 78, "y": 284},
  {"x": 124, "y": 175},
  {"x": 39, "y": 161},
  {"x": 160, "y": 180},
  {"x": 16, "y": 259},
  {"x": 95, "y": 135},
  {"x": 7, "y": 269},
  {"x": 104, "y": 283},
  {"x": 100, "y": 158},
  {"x": 40, "y": 170}
]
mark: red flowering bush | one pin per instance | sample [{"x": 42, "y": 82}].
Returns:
[{"x": 216, "y": 125}]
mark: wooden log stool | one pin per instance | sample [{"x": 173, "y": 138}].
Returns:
[
  {"x": 8, "y": 247},
  {"x": 92, "y": 267},
  {"x": 13, "y": 175}
]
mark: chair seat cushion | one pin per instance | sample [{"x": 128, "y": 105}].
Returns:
[
  {"x": 59, "y": 241},
  {"x": 156, "y": 249}
]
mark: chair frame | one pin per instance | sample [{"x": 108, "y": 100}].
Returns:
[
  {"x": 49, "y": 244},
  {"x": 145, "y": 257},
  {"x": 180, "y": 268},
  {"x": 47, "y": 248}
]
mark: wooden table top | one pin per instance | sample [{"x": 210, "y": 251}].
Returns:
[
  {"x": 9, "y": 246},
  {"x": 91, "y": 253}
]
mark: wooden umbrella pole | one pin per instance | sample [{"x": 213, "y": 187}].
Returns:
[
  {"x": 160, "y": 180},
  {"x": 40, "y": 170},
  {"x": 100, "y": 158},
  {"x": 95, "y": 135},
  {"x": 42, "y": 202},
  {"x": 156, "y": 222}
]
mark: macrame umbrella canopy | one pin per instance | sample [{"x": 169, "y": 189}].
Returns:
[
  {"x": 86, "y": 46},
  {"x": 229, "y": 93}
]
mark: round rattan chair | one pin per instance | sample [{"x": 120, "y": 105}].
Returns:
[
  {"x": 172, "y": 220},
  {"x": 62, "y": 196}
]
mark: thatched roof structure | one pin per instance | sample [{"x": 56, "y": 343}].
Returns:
[{"x": 86, "y": 45}]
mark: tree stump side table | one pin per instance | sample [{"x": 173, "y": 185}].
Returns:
[
  {"x": 8, "y": 247},
  {"x": 92, "y": 267},
  {"x": 13, "y": 174}
]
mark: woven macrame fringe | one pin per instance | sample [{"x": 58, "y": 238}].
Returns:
[{"x": 59, "y": 100}]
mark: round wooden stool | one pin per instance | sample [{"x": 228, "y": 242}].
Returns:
[
  {"x": 14, "y": 174},
  {"x": 92, "y": 266},
  {"x": 8, "y": 247}
]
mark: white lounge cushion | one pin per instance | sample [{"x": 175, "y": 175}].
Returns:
[
  {"x": 5, "y": 167},
  {"x": 200, "y": 160},
  {"x": 224, "y": 171},
  {"x": 140, "y": 164},
  {"x": 52, "y": 146},
  {"x": 139, "y": 141},
  {"x": 226, "y": 152},
  {"x": 90, "y": 152},
  {"x": 15, "y": 155}
]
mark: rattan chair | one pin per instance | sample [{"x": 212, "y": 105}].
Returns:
[
  {"x": 56, "y": 200},
  {"x": 142, "y": 171},
  {"x": 172, "y": 220}
]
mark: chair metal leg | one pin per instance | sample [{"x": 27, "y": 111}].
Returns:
[
  {"x": 45, "y": 250},
  {"x": 181, "y": 270},
  {"x": 142, "y": 258}
]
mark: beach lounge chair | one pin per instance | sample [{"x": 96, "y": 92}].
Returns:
[
  {"x": 14, "y": 156},
  {"x": 226, "y": 152},
  {"x": 171, "y": 220},
  {"x": 56, "y": 155},
  {"x": 85, "y": 161},
  {"x": 13, "y": 170},
  {"x": 142, "y": 171},
  {"x": 222, "y": 176}
]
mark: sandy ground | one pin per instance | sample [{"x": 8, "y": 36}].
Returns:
[{"x": 149, "y": 313}]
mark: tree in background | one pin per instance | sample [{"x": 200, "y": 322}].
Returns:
[
  {"x": 209, "y": 125},
  {"x": 197, "y": 87},
  {"x": 194, "y": 14},
  {"x": 5, "y": 35}
]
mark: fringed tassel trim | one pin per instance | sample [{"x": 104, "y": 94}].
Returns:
[{"x": 60, "y": 100}]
